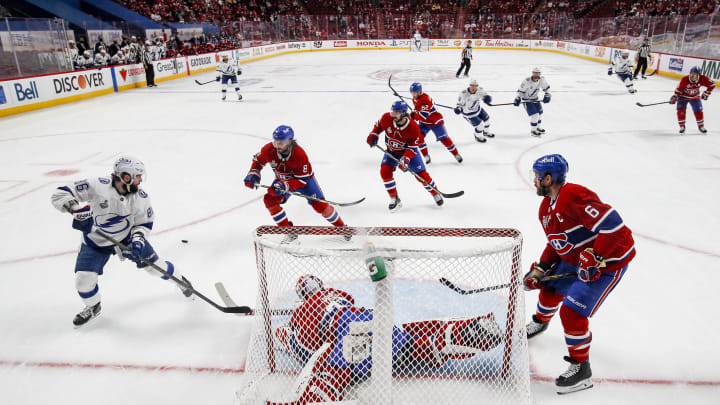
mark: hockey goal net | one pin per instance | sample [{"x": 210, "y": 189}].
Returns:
[
  {"x": 423, "y": 45},
  {"x": 445, "y": 326}
]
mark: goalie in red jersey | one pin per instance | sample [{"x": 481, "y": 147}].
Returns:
[
  {"x": 429, "y": 119},
  {"x": 332, "y": 338},
  {"x": 402, "y": 138},
  {"x": 293, "y": 172},
  {"x": 688, "y": 91},
  {"x": 590, "y": 244}
]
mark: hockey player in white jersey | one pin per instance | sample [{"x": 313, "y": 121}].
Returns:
[
  {"x": 623, "y": 67},
  {"x": 469, "y": 106},
  {"x": 418, "y": 40},
  {"x": 228, "y": 73},
  {"x": 118, "y": 207},
  {"x": 529, "y": 95}
]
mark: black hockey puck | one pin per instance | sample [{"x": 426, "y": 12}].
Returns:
[{"x": 184, "y": 241}]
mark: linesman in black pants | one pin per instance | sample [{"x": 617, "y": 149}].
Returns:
[
  {"x": 147, "y": 60},
  {"x": 643, "y": 54},
  {"x": 466, "y": 56}
]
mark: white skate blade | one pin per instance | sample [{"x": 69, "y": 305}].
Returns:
[{"x": 582, "y": 385}]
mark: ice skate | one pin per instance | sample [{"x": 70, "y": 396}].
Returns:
[
  {"x": 458, "y": 158},
  {"x": 542, "y": 131},
  {"x": 576, "y": 378},
  {"x": 488, "y": 134},
  {"x": 438, "y": 199},
  {"x": 224, "y": 97},
  {"x": 480, "y": 137},
  {"x": 427, "y": 159},
  {"x": 682, "y": 130},
  {"x": 702, "y": 129},
  {"x": 239, "y": 96},
  {"x": 632, "y": 91},
  {"x": 535, "y": 327},
  {"x": 535, "y": 132},
  {"x": 86, "y": 315},
  {"x": 395, "y": 204}
]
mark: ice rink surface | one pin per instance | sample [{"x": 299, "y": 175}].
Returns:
[{"x": 654, "y": 339}]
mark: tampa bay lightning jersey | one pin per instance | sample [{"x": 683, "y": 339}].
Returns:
[
  {"x": 230, "y": 68},
  {"x": 623, "y": 65},
  {"x": 530, "y": 90},
  {"x": 114, "y": 214},
  {"x": 470, "y": 102}
]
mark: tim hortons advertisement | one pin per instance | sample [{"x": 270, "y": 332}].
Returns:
[
  {"x": 497, "y": 43},
  {"x": 340, "y": 44}
]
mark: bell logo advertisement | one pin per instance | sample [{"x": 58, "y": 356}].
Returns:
[
  {"x": 79, "y": 82},
  {"x": 340, "y": 44},
  {"x": 26, "y": 93}
]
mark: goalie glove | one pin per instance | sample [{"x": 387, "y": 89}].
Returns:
[
  {"x": 531, "y": 280},
  {"x": 589, "y": 266}
]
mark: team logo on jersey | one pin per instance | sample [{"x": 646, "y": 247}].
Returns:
[
  {"x": 112, "y": 223},
  {"x": 559, "y": 242}
]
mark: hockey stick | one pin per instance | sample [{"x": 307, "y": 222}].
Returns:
[
  {"x": 461, "y": 291},
  {"x": 410, "y": 98},
  {"x": 208, "y": 82},
  {"x": 227, "y": 299},
  {"x": 309, "y": 197},
  {"x": 522, "y": 102},
  {"x": 396, "y": 93},
  {"x": 230, "y": 310},
  {"x": 648, "y": 105},
  {"x": 451, "y": 195}
]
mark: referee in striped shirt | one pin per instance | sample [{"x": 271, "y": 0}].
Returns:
[
  {"x": 466, "y": 56},
  {"x": 643, "y": 54}
]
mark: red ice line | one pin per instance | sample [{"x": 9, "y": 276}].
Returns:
[{"x": 221, "y": 370}]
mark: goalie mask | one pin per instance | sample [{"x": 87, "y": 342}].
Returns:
[
  {"x": 127, "y": 169},
  {"x": 307, "y": 286}
]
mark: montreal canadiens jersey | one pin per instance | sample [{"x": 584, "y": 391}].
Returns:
[
  {"x": 229, "y": 68},
  {"x": 426, "y": 113},
  {"x": 402, "y": 140},
  {"x": 689, "y": 90},
  {"x": 295, "y": 168},
  {"x": 530, "y": 90},
  {"x": 470, "y": 102},
  {"x": 312, "y": 322},
  {"x": 578, "y": 220},
  {"x": 114, "y": 214},
  {"x": 623, "y": 66}
]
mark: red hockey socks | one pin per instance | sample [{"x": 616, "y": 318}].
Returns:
[
  {"x": 448, "y": 143},
  {"x": 386, "y": 172},
  {"x": 699, "y": 118},
  {"x": 328, "y": 212},
  {"x": 548, "y": 304},
  {"x": 577, "y": 334},
  {"x": 425, "y": 176},
  {"x": 681, "y": 117}
]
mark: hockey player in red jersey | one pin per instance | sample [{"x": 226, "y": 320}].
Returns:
[
  {"x": 330, "y": 336},
  {"x": 403, "y": 138},
  {"x": 586, "y": 238},
  {"x": 688, "y": 91},
  {"x": 430, "y": 119},
  {"x": 293, "y": 172}
]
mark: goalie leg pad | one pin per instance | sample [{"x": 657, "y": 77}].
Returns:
[{"x": 482, "y": 333}]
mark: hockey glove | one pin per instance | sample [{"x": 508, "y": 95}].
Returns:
[
  {"x": 138, "y": 244},
  {"x": 516, "y": 102},
  {"x": 705, "y": 95},
  {"x": 404, "y": 164},
  {"x": 531, "y": 280},
  {"x": 251, "y": 180},
  {"x": 458, "y": 110},
  {"x": 487, "y": 99},
  {"x": 590, "y": 264},
  {"x": 217, "y": 78},
  {"x": 609, "y": 71},
  {"x": 279, "y": 187},
  {"x": 82, "y": 219},
  {"x": 372, "y": 140},
  {"x": 546, "y": 98},
  {"x": 140, "y": 249},
  {"x": 673, "y": 99}
]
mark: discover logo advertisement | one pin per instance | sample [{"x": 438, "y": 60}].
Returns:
[{"x": 78, "y": 82}]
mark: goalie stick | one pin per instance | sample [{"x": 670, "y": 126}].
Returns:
[
  {"x": 202, "y": 83},
  {"x": 449, "y": 284},
  {"x": 446, "y": 195},
  {"x": 639, "y": 104},
  {"x": 309, "y": 197},
  {"x": 227, "y": 299},
  {"x": 230, "y": 310}
]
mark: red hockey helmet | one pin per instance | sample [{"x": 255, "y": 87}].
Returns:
[{"x": 307, "y": 286}]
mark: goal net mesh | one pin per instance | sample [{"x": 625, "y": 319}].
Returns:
[
  {"x": 423, "y": 45},
  {"x": 445, "y": 325}
]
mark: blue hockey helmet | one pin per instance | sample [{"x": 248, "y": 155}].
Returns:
[
  {"x": 399, "y": 106},
  {"x": 415, "y": 87},
  {"x": 555, "y": 165},
  {"x": 695, "y": 69},
  {"x": 283, "y": 133}
]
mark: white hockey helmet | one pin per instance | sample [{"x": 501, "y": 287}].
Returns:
[
  {"x": 133, "y": 167},
  {"x": 473, "y": 82},
  {"x": 307, "y": 286},
  {"x": 536, "y": 70},
  {"x": 625, "y": 52}
]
